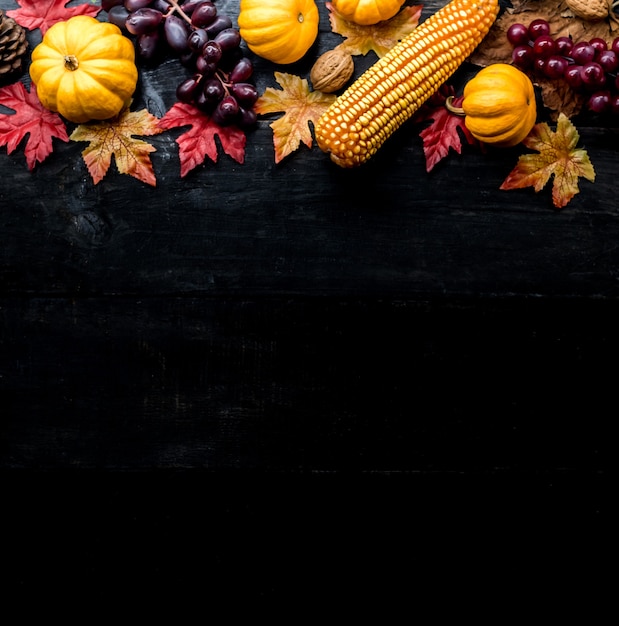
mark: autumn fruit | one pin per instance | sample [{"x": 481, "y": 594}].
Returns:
[
  {"x": 499, "y": 105},
  {"x": 390, "y": 92},
  {"x": 281, "y": 31},
  {"x": 366, "y": 12},
  {"x": 332, "y": 70},
  {"x": 588, "y": 68},
  {"x": 84, "y": 69}
]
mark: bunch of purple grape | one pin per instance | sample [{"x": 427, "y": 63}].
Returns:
[
  {"x": 205, "y": 41},
  {"x": 587, "y": 67}
]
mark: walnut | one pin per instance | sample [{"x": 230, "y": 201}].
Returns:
[
  {"x": 590, "y": 10},
  {"x": 332, "y": 71}
]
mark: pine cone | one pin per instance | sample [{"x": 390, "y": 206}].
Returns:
[{"x": 13, "y": 46}]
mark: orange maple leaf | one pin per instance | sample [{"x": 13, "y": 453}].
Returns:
[
  {"x": 557, "y": 156},
  {"x": 301, "y": 106},
  {"x": 379, "y": 37},
  {"x": 116, "y": 137}
]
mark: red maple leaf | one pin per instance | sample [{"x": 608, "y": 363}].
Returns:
[
  {"x": 446, "y": 130},
  {"x": 42, "y": 14},
  {"x": 199, "y": 141},
  {"x": 30, "y": 118}
]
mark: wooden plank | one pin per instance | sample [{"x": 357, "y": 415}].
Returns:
[
  {"x": 307, "y": 384},
  {"x": 303, "y": 226},
  {"x": 301, "y": 317}
]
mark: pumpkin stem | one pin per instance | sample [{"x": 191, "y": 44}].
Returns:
[
  {"x": 453, "y": 109},
  {"x": 300, "y": 18},
  {"x": 71, "y": 62}
]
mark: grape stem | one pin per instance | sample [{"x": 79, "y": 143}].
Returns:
[
  {"x": 222, "y": 77},
  {"x": 176, "y": 7}
]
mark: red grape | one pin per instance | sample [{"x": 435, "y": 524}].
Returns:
[
  {"x": 241, "y": 71},
  {"x": 226, "y": 111},
  {"x": 149, "y": 45},
  {"x": 212, "y": 52},
  {"x": 544, "y": 46},
  {"x": 205, "y": 67},
  {"x": 246, "y": 94},
  {"x": 118, "y": 16},
  {"x": 538, "y": 27},
  {"x": 599, "y": 44},
  {"x": 564, "y": 45},
  {"x": 555, "y": 66},
  {"x": 609, "y": 60},
  {"x": 228, "y": 39},
  {"x": 189, "y": 6},
  {"x": 134, "y": 5},
  {"x": 247, "y": 117},
  {"x": 522, "y": 57},
  {"x": 539, "y": 65},
  {"x": 593, "y": 76},
  {"x": 197, "y": 38},
  {"x": 518, "y": 34},
  {"x": 176, "y": 33},
  {"x": 213, "y": 91},
  {"x": 143, "y": 21},
  {"x": 220, "y": 23},
  {"x": 583, "y": 52},
  {"x": 573, "y": 77},
  {"x": 203, "y": 15},
  {"x": 186, "y": 91},
  {"x": 599, "y": 102}
]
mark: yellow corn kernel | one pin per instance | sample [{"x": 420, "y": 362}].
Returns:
[{"x": 388, "y": 93}]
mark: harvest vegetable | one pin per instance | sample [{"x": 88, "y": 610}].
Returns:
[
  {"x": 281, "y": 31},
  {"x": 390, "y": 91},
  {"x": 499, "y": 105},
  {"x": 84, "y": 69},
  {"x": 367, "y": 12}
]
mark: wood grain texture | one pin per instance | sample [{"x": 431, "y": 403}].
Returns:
[{"x": 302, "y": 317}]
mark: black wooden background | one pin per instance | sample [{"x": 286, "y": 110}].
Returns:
[{"x": 273, "y": 337}]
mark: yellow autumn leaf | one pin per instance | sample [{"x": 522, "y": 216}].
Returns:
[
  {"x": 556, "y": 156},
  {"x": 381, "y": 37},
  {"x": 300, "y": 106},
  {"x": 116, "y": 138}
]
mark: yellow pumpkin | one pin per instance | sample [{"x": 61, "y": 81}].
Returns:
[
  {"x": 84, "y": 69},
  {"x": 499, "y": 105},
  {"x": 366, "y": 12},
  {"x": 281, "y": 31}
]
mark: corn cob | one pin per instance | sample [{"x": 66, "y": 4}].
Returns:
[{"x": 388, "y": 93}]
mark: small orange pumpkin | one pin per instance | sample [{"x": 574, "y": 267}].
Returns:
[
  {"x": 281, "y": 31},
  {"x": 366, "y": 12},
  {"x": 84, "y": 69},
  {"x": 499, "y": 105}
]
